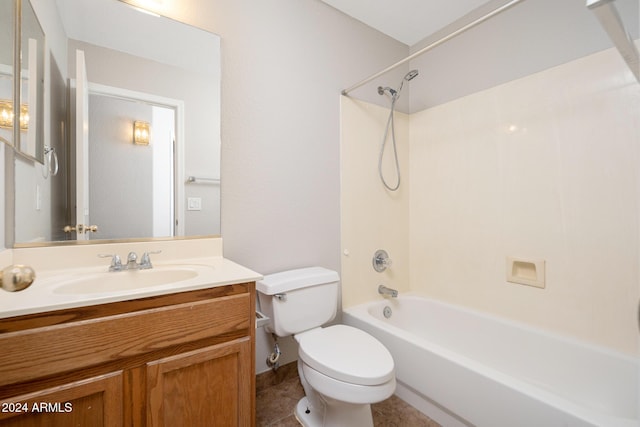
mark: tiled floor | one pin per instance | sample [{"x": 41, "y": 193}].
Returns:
[{"x": 278, "y": 393}]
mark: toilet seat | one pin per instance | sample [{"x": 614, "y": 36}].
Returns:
[
  {"x": 346, "y": 354},
  {"x": 347, "y": 392}
]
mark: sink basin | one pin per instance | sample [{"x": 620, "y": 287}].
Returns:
[{"x": 128, "y": 280}]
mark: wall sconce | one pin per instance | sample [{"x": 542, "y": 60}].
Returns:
[
  {"x": 141, "y": 133},
  {"x": 7, "y": 115},
  {"x": 24, "y": 117}
]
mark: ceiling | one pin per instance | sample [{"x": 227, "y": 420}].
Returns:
[
  {"x": 522, "y": 40},
  {"x": 407, "y": 21}
]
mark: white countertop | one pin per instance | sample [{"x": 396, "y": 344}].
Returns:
[{"x": 44, "y": 293}]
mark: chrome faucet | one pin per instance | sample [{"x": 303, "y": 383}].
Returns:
[
  {"x": 383, "y": 290},
  {"x": 132, "y": 261}
]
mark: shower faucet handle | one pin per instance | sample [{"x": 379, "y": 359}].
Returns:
[{"x": 381, "y": 260}]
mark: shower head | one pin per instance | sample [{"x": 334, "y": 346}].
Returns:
[
  {"x": 395, "y": 94},
  {"x": 407, "y": 77},
  {"x": 411, "y": 75}
]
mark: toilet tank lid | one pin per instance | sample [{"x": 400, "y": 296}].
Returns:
[{"x": 290, "y": 280}]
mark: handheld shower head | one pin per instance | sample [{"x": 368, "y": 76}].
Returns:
[
  {"x": 411, "y": 75},
  {"x": 395, "y": 94},
  {"x": 407, "y": 77}
]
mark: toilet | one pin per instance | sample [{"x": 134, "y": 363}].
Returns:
[{"x": 343, "y": 370}]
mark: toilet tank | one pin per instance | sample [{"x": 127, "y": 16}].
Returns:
[{"x": 298, "y": 300}]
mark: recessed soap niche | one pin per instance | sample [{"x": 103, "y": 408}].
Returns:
[{"x": 525, "y": 271}]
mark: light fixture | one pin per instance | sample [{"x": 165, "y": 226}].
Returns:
[
  {"x": 24, "y": 117},
  {"x": 141, "y": 133},
  {"x": 7, "y": 115}
]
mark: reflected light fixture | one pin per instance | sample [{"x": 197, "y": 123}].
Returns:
[
  {"x": 24, "y": 117},
  {"x": 7, "y": 115},
  {"x": 141, "y": 133}
]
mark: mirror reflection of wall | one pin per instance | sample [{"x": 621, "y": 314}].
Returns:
[{"x": 178, "y": 62}]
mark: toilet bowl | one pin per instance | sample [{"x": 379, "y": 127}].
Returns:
[{"x": 343, "y": 370}]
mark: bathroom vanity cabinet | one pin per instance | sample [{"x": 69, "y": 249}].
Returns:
[{"x": 180, "y": 359}]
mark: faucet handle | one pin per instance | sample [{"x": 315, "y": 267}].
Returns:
[
  {"x": 116, "y": 262},
  {"x": 145, "y": 262},
  {"x": 381, "y": 260},
  {"x": 132, "y": 257}
]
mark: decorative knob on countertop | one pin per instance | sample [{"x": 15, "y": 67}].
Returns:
[{"x": 17, "y": 277}]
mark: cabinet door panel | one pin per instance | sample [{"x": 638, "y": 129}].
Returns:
[
  {"x": 209, "y": 386},
  {"x": 92, "y": 402}
]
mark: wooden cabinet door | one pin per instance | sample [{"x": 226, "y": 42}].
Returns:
[
  {"x": 92, "y": 402},
  {"x": 211, "y": 386}
]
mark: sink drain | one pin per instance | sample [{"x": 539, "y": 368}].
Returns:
[{"x": 387, "y": 311}]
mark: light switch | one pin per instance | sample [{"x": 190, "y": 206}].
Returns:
[{"x": 194, "y": 203}]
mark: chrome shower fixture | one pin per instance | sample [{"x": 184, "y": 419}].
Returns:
[
  {"x": 381, "y": 90},
  {"x": 410, "y": 75},
  {"x": 381, "y": 260},
  {"x": 396, "y": 93}
]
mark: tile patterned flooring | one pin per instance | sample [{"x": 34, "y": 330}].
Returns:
[{"x": 278, "y": 393}]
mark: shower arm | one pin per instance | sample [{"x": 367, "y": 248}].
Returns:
[
  {"x": 438, "y": 42},
  {"x": 610, "y": 20}
]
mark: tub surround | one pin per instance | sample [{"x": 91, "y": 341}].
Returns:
[
  {"x": 55, "y": 264},
  {"x": 372, "y": 218},
  {"x": 544, "y": 167}
]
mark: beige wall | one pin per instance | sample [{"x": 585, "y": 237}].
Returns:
[
  {"x": 372, "y": 217},
  {"x": 544, "y": 167}
]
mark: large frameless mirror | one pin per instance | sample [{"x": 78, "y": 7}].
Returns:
[{"x": 131, "y": 128}]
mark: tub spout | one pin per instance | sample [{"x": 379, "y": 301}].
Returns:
[{"x": 383, "y": 290}]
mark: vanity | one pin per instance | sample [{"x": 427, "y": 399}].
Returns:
[{"x": 161, "y": 354}]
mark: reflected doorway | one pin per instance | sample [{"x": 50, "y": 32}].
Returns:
[{"x": 131, "y": 185}]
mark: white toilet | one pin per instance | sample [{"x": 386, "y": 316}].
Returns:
[{"x": 343, "y": 369}]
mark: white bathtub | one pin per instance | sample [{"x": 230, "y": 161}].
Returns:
[{"x": 479, "y": 370}]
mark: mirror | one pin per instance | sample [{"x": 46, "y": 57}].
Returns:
[
  {"x": 30, "y": 141},
  {"x": 7, "y": 13},
  {"x": 139, "y": 69}
]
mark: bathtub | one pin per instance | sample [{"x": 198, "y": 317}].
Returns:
[{"x": 462, "y": 367}]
